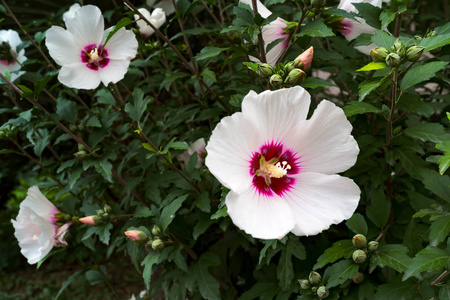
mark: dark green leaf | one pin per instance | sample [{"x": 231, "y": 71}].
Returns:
[
  {"x": 357, "y": 224},
  {"x": 316, "y": 28},
  {"x": 285, "y": 269},
  {"x": 168, "y": 213},
  {"x": 94, "y": 277},
  {"x": 207, "y": 284},
  {"x": 378, "y": 211},
  {"x": 68, "y": 282},
  {"x": 67, "y": 110},
  {"x": 340, "y": 272},
  {"x": 431, "y": 43},
  {"x": 313, "y": 82},
  {"x": 439, "y": 230},
  {"x": 356, "y": 108},
  {"x": 366, "y": 87},
  {"x": 209, "y": 52},
  {"x": 148, "y": 262},
  {"x": 383, "y": 39},
  {"x": 421, "y": 73},
  {"x": 393, "y": 256},
  {"x": 428, "y": 259},
  {"x": 339, "y": 250},
  {"x": 369, "y": 13},
  {"x": 396, "y": 291},
  {"x": 139, "y": 105},
  {"x": 143, "y": 212},
  {"x": 436, "y": 183}
]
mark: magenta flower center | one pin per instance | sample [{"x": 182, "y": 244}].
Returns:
[
  {"x": 94, "y": 57},
  {"x": 273, "y": 168}
]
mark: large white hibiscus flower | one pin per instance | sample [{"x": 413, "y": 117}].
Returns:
[
  {"x": 9, "y": 58},
  {"x": 78, "y": 50},
  {"x": 281, "y": 168}
]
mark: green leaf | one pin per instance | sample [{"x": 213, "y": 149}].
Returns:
[
  {"x": 382, "y": 39},
  {"x": 370, "y": 13},
  {"x": 431, "y": 43},
  {"x": 421, "y": 73},
  {"x": 94, "y": 277},
  {"x": 139, "y": 105},
  {"x": 313, "y": 82},
  {"x": 40, "y": 84},
  {"x": 104, "y": 167},
  {"x": 396, "y": 291},
  {"x": 220, "y": 213},
  {"x": 342, "y": 13},
  {"x": 68, "y": 282},
  {"x": 209, "y": 52},
  {"x": 339, "y": 250},
  {"x": 340, "y": 272},
  {"x": 378, "y": 211},
  {"x": 428, "y": 259},
  {"x": 203, "y": 203},
  {"x": 437, "y": 184},
  {"x": 148, "y": 262},
  {"x": 387, "y": 16},
  {"x": 143, "y": 212},
  {"x": 367, "y": 86},
  {"x": 426, "y": 132},
  {"x": 103, "y": 232},
  {"x": 373, "y": 66},
  {"x": 444, "y": 292},
  {"x": 444, "y": 163},
  {"x": 207, "y": 284},
  {"x": 67, "y": 110},
  {"x": 393, "y": 256},
  {"x": 251, "y": 65},
  {"x": 168, "y": 213},
  {"x": 201, "y": 226},
  {"x": 122, "y": 23},
  {"x": 357, "y": 224},
  {"x": 168, "y": 80},
  {"x": 356, "y": 108},
  {"x": 285, "y": 269},
  {"x": 175, "y": 145},
  {"x": 316, "y": 28},
  {"x": 261, "y": 291},
  {"x": 439, "y": 230}
]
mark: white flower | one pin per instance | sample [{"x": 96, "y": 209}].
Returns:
[
  {"x": 353, "y": 29},
  {"x": 70, "y": 14},
  {"x": 199, "y": 147},
  {"x": 157, "y": 18},
  {"x": 166, "y": 5},
  {"x": 78, "y": 50},
  {"x": 271, "y": 33},
  {"x": 35, "y": 227},
  {"x": 9, "y": 58},
  {"x": 281, "y": 168}
]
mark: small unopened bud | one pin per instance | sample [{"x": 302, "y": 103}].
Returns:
[
  {"x": 136, "y": 235},
  {"x": 414, "y": 53},
  {"x": 399, "y": 48},
  {"x": 305, "y": 58},
  {"x": 315, "y": 278},
  {"x": 304, "y": 284},
  {"x": 372, "y": 246},
  {"x": 157, "y": 244},
  {"x": 393, "y": 60},
  {"x": 156, "y": 231},
  {"x": 107, "y": 208},
  {"x": 379, "y": 54},
  {"x": 359, "y": 241},
  {"x": 90, "y": 220},
  {"x": 81, "y": 154},
  {"x": 314, "y": 289},
  {"x": 276, "y": 80},
  {"x": 322, "y": 292},
  {"x": 358, "y": 278},
  {"x": 359, "y": 256},
  {"x": 290, "y": 66},
  {"x": 295, "y": 77},
  {"x": 265, "y": 70}
]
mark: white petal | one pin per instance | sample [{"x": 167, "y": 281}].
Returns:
[
  {"x": 271, "y": 33},
  {"x": 38, "y": 203},
  {"x": 230, "y": 150},
  {"x": 79, "y": 76},
  {"x": 348, "y": 6},
  {"x": 71, "y": 12},
  {"x": 318, "y": 201},
  {"x": 325, "y": 141},
  {"x": 63, "y": 46},
  {"x": 11, "y": 37},
  {"x": 277, "y": 113},
  {"x": 114, "y": 71},
  {"x": 260, "y": 216},
  {"x": 87, "y": 25},
  {"x": 262, "y": 10},
  {"x": 165, "y": 5},
  {"x": 122, "y": 45}
]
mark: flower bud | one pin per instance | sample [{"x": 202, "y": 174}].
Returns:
[
  {"x": 80, "y": 154},
  {"x": 290, "y": 66},
  {"x": 359, "y": 241},
  {"x": 304, "y": 284},
  {"x": 372, "y": 246},
  {"x": 136, "y": 235},
  {"x": 414, "y": 53},
  {"x": 276, "y": 80},
  {"x": 265, "y": 70},
  {"x": 107, "y": 208},
  {"x": 295, "y": 77},
  {"x": 90, "y": 220},
  {"x": 314, "y": 289},
  {"x": 156, "y": 231},
  {"x": 322, "y": 292},
  {"x": 358, "y": 278},
  {"x": 399, "y": 48},
  {"x": 393, "y": 60},
  {"x": 379, "y": 54},
  {"x": 305, "y": 58},
  {"x": 157, "y": 244},
  {"x": 315, "y": 278},
  {"x": 359, "y": 256}
]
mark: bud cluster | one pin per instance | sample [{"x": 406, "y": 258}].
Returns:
[
  {"x": 8, "y": 131},
  {"x": 313, "y": 285},
  {"x": 363, "y": 248},
  {"x": 103, "y": 215},
  {"x": 397, "y": 55},
  {"x": 152, "y": 241}
]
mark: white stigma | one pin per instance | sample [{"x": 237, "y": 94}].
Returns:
[
  {"x": 35, "y": 237},
  {"x": 94, "y": 54},
  {"x": 278, "y": 170}
]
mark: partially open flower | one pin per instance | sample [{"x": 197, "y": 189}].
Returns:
[
  {"x": 35, "y": 226},
  {"x": 305, "y": 58},
  {"x": 156, "y": 18},
  {"x": 9, "y": 58},
  {"x": 281, "y": 168},
  {"x": 81, "y": 52}
]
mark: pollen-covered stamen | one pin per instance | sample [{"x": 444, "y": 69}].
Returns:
[
  {"x": 94, "y": 56},
  {"x": 277, "y": 170}
]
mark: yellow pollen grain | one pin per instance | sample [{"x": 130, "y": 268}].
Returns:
[
  {"x": 94, "y": 54},
  {"x": 276, "y": 171}
]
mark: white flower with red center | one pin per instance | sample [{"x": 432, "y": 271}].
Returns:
[
  {"x": 156, "y": 18},
  {"x": 35, "y": 226},
  {"x": 352, "y": 29},
  {"x": 281, "y": 168},
  {"x": 80, "y": 53},
  {"x": 9, "y": 58},
  {"x": 275, "y": 30}
]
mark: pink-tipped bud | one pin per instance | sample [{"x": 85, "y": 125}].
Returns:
[
  {"x": 88, "y": 220},
  {"x": 136, "y": 235},
  {"x": 305, "y": 58}
]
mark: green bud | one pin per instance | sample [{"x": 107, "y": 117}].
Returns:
[
  {"x": 358, "y": 278},
  {"x": 372, "y": 246},
  {"x": 156, "y": 231},
  {"x": 315, "y": 278},
  {"x": 107, "y": 208},
  {"x": 314, "y": 289},
  {"x": 414, "y": 53},
  {"x": 290, "y": 27},
  {"x": 359, "y": 256},
  {"x": 105, "y": 216},
  {"x": 157, "y": 244},
  {"x": 417, "y": 38},
  {"x": 80, "y": 154},
  {"x": 276, "y": 80},
  {"x": 81, "y": 147},
  {"x": 359, "y": 241},
  {"x": 430, "y": 33},
  {"x": 290, "y": 66},
  {"x": 322, "y": 292},
  {"x": 295, "y": 77},
  {"x": 97, "y": 220},
  {"x": 399, "y": 48},
  {"x": 393, "y": 60},
  {"x": 304, "y": 284},
  {"x": 265, "y": 70},
  {"x": 99, "y": 212},
  {"x": 379, "y": 54}
]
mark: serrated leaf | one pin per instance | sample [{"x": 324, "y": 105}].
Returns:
[
  {"x": 67, "y": 110},
  {"x": 431, "y": 43},
  {"x": 444, "y": 163},
  {"x": 396, "y": 291},
  {"x": 143, "y": 212},
  {"x": 268, "y": 244},
  {"x": 378, "y": 211},
  {"x": 313, "y": 82},
  {"x": 436, "y": 183},
  {"x": 138, "y": 107},
  {"x": 285, "y": 269},
  {"x": 316, "y": 28},
  {"x": 340, "y": 272},
  {"x": 370, "y": 13},
  {"x": 103, "y": 232},
  {"x": 393, "y": 256},
  {"x": 444, "y": 292},
  {"x": 357, "y": 224},
  {"x": 356, "y": 108},
  {"x": 68, "y": 282},
  {"x": 207, "y": 284},
  {"x": 383, "y": 39},
  {"x": 421, "y": 73},
  {"x": 203, "y": 203},
  {"x": 168, "y": 213},
  {"x": 439, "y": 230},
  {"x": 148, "y": 262},
  {"x": 367, "y": 86},
  {"x": 220, "y": 213},
  {"x": 339, "y": 250},
  {"x": 209, "y": 52},
  {"x": 428, "y": 259},
  {"x": 261, "y": 290},
  {"x": 373, "y": 66}
]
